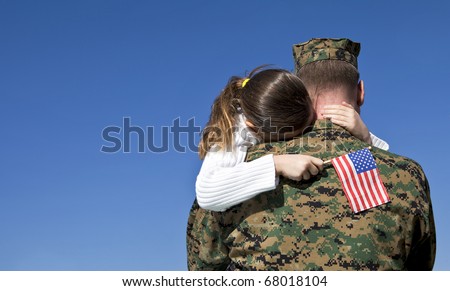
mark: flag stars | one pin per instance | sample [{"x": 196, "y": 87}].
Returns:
[{"x": 362, "y": 160}]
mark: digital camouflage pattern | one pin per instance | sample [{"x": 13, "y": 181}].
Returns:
[
  {"x": 310, "y": 225},
  {"x": 318, "y": 49}
]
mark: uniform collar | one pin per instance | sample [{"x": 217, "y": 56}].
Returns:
[{"x": 325, "y": 124}]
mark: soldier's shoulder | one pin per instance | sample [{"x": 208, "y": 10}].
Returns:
[
  {"x": 389, "y": 162},
  {"x": 395, "y": 159}
]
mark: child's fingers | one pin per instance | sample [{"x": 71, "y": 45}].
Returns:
[
  {"x": 347, "y": 105},
  {"x": 336, "y": 118},
  {"x": 313, "y": 167},
  {"x": 306, "y": 175},
  {"x": 337, "y": 110},
  {"x": 335, "y": 114},
  {"x": 332, "y": 114},
  {"x": 318, "y": 163},
  {"x": 341, "y": 121}
]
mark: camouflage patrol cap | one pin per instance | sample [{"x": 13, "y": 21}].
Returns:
[{"x": 318, "y": 49}]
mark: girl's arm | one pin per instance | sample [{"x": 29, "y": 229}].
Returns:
[
  {"x": 346, "y": 116},
  {"x": 226, "y": 180}
]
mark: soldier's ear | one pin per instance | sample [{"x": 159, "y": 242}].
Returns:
[{"x": 360, "y": 97}]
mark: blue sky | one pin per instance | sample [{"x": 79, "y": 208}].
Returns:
[{"x": 70, "y": 69}]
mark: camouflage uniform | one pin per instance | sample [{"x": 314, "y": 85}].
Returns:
[{"x": 309, "y": 225}]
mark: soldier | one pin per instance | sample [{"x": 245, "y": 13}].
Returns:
[{"x": 310, "y": 225}]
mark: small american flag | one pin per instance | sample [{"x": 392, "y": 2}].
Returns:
[{"x": 360, "y": 180}]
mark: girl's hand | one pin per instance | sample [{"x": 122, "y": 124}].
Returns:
[
  {"x": 346, "y": 116},
  {"x": 297, "y": 167}
]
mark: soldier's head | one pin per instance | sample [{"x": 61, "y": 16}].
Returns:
[
  {"x": 275, "y": 103},
  {"x": 329, "y": 69}
]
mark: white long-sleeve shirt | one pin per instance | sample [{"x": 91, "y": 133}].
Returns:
[{"x": 225, "y": 179}]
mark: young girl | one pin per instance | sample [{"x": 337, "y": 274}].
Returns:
[{"x": 269, "y": 105}]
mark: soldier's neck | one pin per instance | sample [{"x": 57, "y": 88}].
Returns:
[{"x": 332, "y": 97}]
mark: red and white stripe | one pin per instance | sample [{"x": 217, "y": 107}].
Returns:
[{"x": 364, "y": 190}]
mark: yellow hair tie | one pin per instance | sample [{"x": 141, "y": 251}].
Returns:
[{"x": 245, "y": 82}]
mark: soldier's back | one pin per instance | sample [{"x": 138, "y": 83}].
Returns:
[{"x": 311, "y": 226}]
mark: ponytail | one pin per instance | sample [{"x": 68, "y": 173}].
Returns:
[{"x": 218, "y": 133}]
